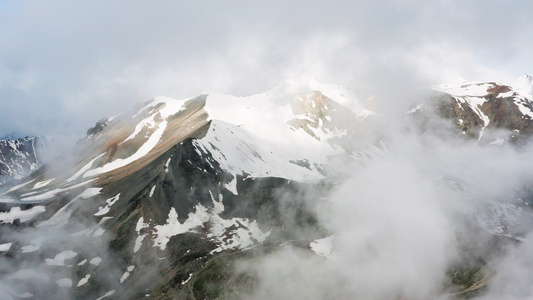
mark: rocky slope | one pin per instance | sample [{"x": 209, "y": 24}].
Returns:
[
  {"x": 165, "y": 201},
  {"x": 171, "y": 191},
  {"x": 480, "y": 107},
  {"x": 486, "y": 113}
]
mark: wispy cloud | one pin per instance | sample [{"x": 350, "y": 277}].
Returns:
[{"x": 64, "y": 65}]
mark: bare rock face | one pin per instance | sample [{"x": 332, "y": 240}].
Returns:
[{"x": 98, "y": 127}]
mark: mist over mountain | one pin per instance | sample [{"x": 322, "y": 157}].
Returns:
[{"x": 300, "y": 192}]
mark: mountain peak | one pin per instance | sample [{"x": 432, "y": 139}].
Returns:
[
  {"x": 307, "y": 82},
  {"x": 524, "y": 86}
]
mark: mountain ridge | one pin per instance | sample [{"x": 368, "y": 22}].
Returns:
[{"x": 182, "y": 190}]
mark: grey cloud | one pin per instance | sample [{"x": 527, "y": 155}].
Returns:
[{"x": 65, "y": 65}]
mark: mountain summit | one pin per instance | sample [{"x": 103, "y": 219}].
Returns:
[
  {"x": 183, "y": 199},
  {"x": 176, "y": 180}
]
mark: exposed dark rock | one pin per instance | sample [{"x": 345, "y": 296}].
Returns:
[{"x": 98, "y": 127}]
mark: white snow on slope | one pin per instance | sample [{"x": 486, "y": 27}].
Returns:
[
  {"x": 524, "y": 86},
  {"x": 16, "y": 187},
  {"x": 60, "y": 258},
  {"x": 5, "y": 247},
  {"x": 110, "y": 293},
  {"x": 84, "y": 169},
  {"x": 306, "y": 83},
  {"x": 50, "y": 194},
  {"x": 142, "y": 151},
  {"x": 474, "y": 93},
  {"x": 156, "y": 120},
  {"x": 261, "y": 117},
  {"x": 30, "y": 248},
  {"x": 323, "y": 247},
  {"x": 471, "y": 93},
  {"x": 238, "y": 152},
  {"x": 140, "y": 236},
  {"x": 109, "y": 202},
  {"x": 124, "y": 276},
  {"x": 465, "y": 89},
  {"x": 252, "y": 135},
  {"x": 23, "y": 215},
  {"x": 84, "y": 280},
  {"x": 41, "y": 184},
  {"x": 174, "y": 227},
  {"x": 61, "y": 217},
  {"x": 96, "y": 261},
  {"x": 525, "y": 106},
  {"x": 244, "y": 233}
]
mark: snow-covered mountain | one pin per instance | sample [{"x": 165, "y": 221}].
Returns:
[
  {"x": 187, "y": 180},
  {"x": 524, "y": 86},
  {"x": 478, "y": 107},
  {"x": 19, "y": 157},
  {"x": 163, "y": 202}
]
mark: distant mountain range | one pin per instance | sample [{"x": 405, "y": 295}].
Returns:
[{"x": 19, "y": 157}]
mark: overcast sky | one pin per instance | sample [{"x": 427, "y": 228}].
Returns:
[{"x": 66, "y": 64}]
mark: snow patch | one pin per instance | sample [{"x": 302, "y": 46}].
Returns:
[
  {"x": 41, "y": 184},
  {"x": 16, "y": 187},
  {"x": 138, "y": 241},
  {"x": 187, "y": 280},
  {"x": 5, "y": 247},
  {"x": 30, "y": 248},
  {"x": 84, "y": 280},
  {"x": 96, "y": 261},
  {"x": 61, "y": 217},
  {"x": 245, "y": 235},
  {"x": 23, "y": 215},
  {"x": 174, "y": 227},
  {"x": 323, "y": 247},
  {"x": 84, "y": 169},
  {"x": 124, "y": 276},
  {"x": 232, "y": 186},
  {"x": 109, "y": 203},
  {"x": 169, "y": 108},
  {"x": 81, "y": 263},
  {"x": 167, "y": 164},
  {"x": 60, "y": 258},
  {"x": 50, "y": 194},
  {"x": 110, "y": 293},
  {"x": 465, "y": 89},
  {"x": 99, "y": 232}
]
